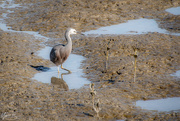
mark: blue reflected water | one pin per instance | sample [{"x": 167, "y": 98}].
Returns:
[
  {"x": 138, "y": 26},
  {"x": 73, "y": 63},
  {"x": 167, "y": 104}
]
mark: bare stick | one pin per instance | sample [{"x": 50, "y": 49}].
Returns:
[
  {"x": 135, "y": 61},
  {"x": 107, "y": 55}
]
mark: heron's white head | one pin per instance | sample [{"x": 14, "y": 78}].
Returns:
[{"x": 72, "y": 31}]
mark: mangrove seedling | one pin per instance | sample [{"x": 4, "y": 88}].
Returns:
[{"x": 135, "y": 62}]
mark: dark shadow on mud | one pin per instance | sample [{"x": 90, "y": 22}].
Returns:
[
  {"x": 40, "y": 68},
  {"x": 87, "y": 114}
]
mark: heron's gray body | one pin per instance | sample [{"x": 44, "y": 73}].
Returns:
[{"x": 61, "y": 52}]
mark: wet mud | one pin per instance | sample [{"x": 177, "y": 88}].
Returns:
[{"x": 109, "y": 61}]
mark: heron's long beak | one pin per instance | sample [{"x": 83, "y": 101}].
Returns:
[{"x": 80, "y": 33}]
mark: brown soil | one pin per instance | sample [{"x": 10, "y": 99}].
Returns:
[{"x": 158, "y": 56}]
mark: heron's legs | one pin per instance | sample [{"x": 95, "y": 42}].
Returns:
[
  {"x": 58, "y": 69},
  {"x": 65, "y": 69},
  {"x": 63, "y": 74}
]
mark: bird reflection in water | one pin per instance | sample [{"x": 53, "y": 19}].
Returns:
[{"x": 60, "y": 82}]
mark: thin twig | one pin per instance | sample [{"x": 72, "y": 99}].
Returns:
[{"x": 135, "y": 61}]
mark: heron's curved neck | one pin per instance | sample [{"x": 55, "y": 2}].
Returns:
[
  {"x": 67, "y": 37},
  {"x": 69, "y": 41}
]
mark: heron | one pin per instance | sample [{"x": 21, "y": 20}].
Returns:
[{"x": 61, "y": 52}]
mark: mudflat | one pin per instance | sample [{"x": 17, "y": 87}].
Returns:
[{"x": 109, "y": 60}]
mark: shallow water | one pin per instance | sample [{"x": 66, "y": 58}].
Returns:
[
  {"x": 4, "y": 27},
  {"x": 73, "y": 80},
  {"x": 174, "y": 10},
  {"x": 73, "y": 63},
  {"x": 167, "y": 104},
  {"x": 177, "y": 74},
  {"x": 138, "y": 26},
  {"x": 9, "y": 4}
]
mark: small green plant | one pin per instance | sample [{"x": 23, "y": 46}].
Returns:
[{"x": 96, "y": 106}]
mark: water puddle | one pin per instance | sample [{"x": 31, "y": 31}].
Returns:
[
  {"x": 168, "y": 104},
  {"x": 9, "y": 4},
  {"x": 177, "y": 74},
  {"x": 4, "y": 27},
  {"x": 174, "y": 10},
  {"x": 73, "y": 63},
  {"x": 138, "y": 26},
  {"x": 50, "y": 75}
]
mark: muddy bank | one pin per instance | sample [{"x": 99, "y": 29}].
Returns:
[
  {"x": 158, "y": 56},
  {"x": 17, "y": 53},
  {"x": 26, "y": 99},
  {"x": 55, "y": 16}
]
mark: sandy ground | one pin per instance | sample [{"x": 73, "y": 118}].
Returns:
[{"x": 108, "y": 65}]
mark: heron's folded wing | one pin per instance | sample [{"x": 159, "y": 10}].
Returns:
[{"x": 53, "y": 56}]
